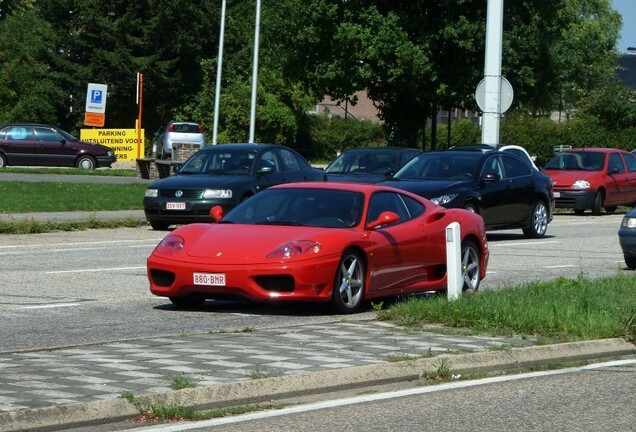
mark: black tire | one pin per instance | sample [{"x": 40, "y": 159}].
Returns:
[
  {"x": 3, "y": 161},
  {"x": 630, "y": 261},
  {"x": 348, "y": 283},
  {"x": 188, "y": 301},
  {"x": 471, "y": 208},
  {"x": 610, "y": 209},
  {"x": 86, "y": 162},
  {"x": 538, "y": 221},
  {"x": 597, "y": 204},
  {"x": 159, "y": 226},
  {"x": 471, "y": 259}
]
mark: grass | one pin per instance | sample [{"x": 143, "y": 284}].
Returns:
[
  {"x": 25, "y": 197},
  {"x": 131, "y": 172},
  {"x": 31, "y": 226},
  {"x": 557, "y": 311}
]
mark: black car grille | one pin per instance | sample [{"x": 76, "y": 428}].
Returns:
[
  {"x": 186, "y": 193},
  {"x": 280, "y": 283}
]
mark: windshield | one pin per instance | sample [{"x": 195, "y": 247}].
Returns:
[
  {"x": 300, "y": 206},
  {"x": 369, "y": 162},
  {"x": 232, "y": 162},
  {"x": 437, "y": 166},
  {"x": 577, "y": 161}
]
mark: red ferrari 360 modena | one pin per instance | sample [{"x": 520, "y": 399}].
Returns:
[{"x": 332, "y": 242}]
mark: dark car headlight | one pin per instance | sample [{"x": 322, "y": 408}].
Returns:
[
  {"x": 217, "y": 193},
  {"x": 629, "y": 222},
  {"x": 444, "y": 199}
]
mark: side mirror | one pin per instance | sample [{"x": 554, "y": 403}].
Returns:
[
  {"x": 385, "y": 218},
  {"x": 491, "y": 177},
  {"x": 266, "y": 170},
  {"x": 217, "y": 213}
]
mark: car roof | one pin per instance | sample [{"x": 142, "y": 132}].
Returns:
[
  {"x": 593, "y": 149},
  {"x": 377, "y": 149},
  {"x": 242, "y": 146}
]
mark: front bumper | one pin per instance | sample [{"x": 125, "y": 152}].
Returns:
[
  {"x": 583, "y": 199},
  {"x": 195, "y": 211},
  {"x": 105, "y": 161},
  {"x": 627, "y": 240}
]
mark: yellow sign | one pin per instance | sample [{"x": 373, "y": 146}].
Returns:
[
  {"x": 124, "y": 142},
  {"x": 94, "y": 119}
]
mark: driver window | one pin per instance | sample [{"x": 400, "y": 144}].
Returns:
[
  {"x": 268, "y": 160},
  {"x": 386, "y": 201},
  {"x": 493, "y": 165}
]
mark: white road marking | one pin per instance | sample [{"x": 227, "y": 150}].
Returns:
[
  {"x": 99, "y": 243},
  {"x": 561, "y": 266},
  {"x": 50, "y": 306},
  {"x": 538, "y": 242},
  {"x": 371, "y": 398},
  {"x": 94, "y": 270}
]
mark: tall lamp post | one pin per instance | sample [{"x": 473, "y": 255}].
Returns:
[
  {"x": 219, "y": 66},
  {"x": 257, "y": 26}
]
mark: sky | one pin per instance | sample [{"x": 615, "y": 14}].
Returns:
[{"x": 627, "y": 8}]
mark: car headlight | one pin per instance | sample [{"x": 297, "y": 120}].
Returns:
[
  {"x": 217, "y": 193},
  {"x": 151, "y": 193},
  {"x": 295, "y": 249},
  {"x": 581, "y": 184},
  {"x": 110, "y": 153},
  {"x": 170, "y": 245},
  {"x": 444, "y": 199},
  {"x": 628, "y": 222}
]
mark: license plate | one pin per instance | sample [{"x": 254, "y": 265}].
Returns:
[
  {"x": 175, "y": 206},
  {"x": 211, "y": 279},
  {"x": 557, "y": 194}
]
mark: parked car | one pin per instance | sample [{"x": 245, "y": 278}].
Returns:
[
  {"x": 225, "y": 175},
  {"x": 31, "y": 144},
  {"x": 593, "y": 178},
  {"x": 335, "y": 242},
  {"x": 369, "y": 165},
  {"x": 177, "y": 132},
  {"x": 516, "y": 150},
  {"x": 502, "y": 188},
  {"x": 627, "y": 238}
]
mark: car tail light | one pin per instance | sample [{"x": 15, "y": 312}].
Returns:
[
  {"x": 171, "y": 128},
  {"x": 201, "y": 129}
]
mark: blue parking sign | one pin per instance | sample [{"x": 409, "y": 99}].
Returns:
[{"x": 96, "y": 96}]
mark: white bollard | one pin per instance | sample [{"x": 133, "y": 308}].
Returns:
[{"x": 454, "y": 261}]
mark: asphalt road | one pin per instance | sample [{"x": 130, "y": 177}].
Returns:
[
  {"x": 63, "y": 289},
  {"x": 598, "y": 397}
]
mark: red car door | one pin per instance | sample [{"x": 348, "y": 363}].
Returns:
[
  {"x": 17, "y": 142},
  {"x": 618, "y": 185}
]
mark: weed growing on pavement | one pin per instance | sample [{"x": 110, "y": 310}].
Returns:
[
  {"x": 559, "y": 310},
  {"x": 180, "y": 413},
  {"x": 442, "y": 373},
  {"x": 182, "y": 381},
  {"x": 32, "y": 226}
]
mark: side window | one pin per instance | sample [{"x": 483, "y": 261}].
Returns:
[
  {"x": 268, "y": 160},
  {"x": 630, "y": 161},
  {"x": 415, "y": 208},
  {"x": 290, "y": 160},
  {"x": 493, "y": 165},
  {"x": 387, "y": 201},
  {"x": 615, "y": 164},
  {"x": 47, "y": 135},
  {"x": 20, "y": 133},
  {"x": 515, "y": 168}
]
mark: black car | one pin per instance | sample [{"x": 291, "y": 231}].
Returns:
[
  {"x": 369, "y": 165},
  {"x": 29, "y": 144},
  {"x": 225, "y": 175},
  {"x": 502, "y": 188},
  {"x": 627, "y": 238}
]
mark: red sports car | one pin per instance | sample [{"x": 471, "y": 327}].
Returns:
[{"x": 338, "y": 242}]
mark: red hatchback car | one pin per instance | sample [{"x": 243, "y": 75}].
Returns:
[
  {"x": 317, "y": 241},
  {"x": 593, "y": 178}
]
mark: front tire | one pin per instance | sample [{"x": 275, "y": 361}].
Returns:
[
  {"x": 598, "y": 203},
  {"x": 348, "y": 285},
  {"x": 159, "y": 226},
  {"x": 86, "y": 162},
  {"x": 630, "y": 261},
  {"x": 538, "y": 221},
  {"x": 3, "y": 161},
  {"x": 471, "y": 273}
]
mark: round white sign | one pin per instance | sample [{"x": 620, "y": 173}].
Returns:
[{"x": 507, "y": 94}]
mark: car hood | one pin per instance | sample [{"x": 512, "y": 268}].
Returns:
[
  {"x": 250, "y": 244},
  {"x": 93, "y": 145},
  {"x": 427, "y": 188},
  {"x": 198, "y": 181},
  {"x": 562, "y": 179}
]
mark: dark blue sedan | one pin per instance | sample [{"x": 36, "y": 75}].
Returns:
[
  {"x": 223, "y": 175},
  {"x": 627, "y": 238},
  {"x": 369, "y": 165}
]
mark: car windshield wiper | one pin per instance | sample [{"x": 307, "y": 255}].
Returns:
[{"x": 284, "y": 223}]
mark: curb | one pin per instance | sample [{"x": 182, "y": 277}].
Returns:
[{"x": 59, "y": 417}]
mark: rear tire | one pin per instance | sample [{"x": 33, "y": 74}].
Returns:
[
  {"x": 3, "y": 161},
  {"x": 631, "y": 262},
  {"x": 471, "y": 258},
  {"x": 610, "y": 209},
  {"x": 348, "y": 284}
]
